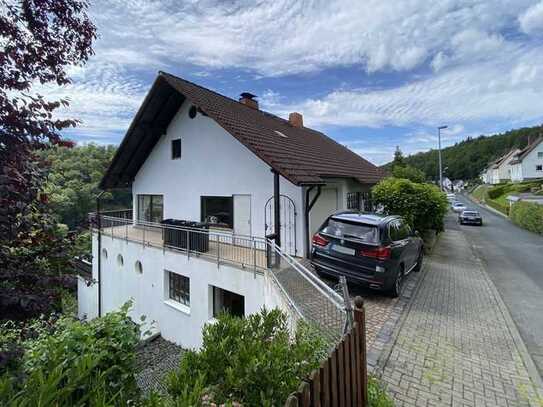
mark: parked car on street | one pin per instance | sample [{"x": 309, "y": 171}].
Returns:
[
  {"x": 374, "y": 250},
  {"x": 451, "y": 197},
  {"x": 458, "y": 207},
  {"x": 470, "y": 217}
]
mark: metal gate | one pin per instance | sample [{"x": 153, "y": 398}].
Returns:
[{"x": 287, "y": 223}]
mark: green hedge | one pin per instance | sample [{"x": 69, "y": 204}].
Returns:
[
  {"x": 528, "y": 215},
  {"x": 423, "y": 206},
  {"x": 498, "y": 206}
]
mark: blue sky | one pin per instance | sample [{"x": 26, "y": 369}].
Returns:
[{"x": 371, "y": 74}]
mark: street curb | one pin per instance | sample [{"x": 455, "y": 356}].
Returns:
[
  {"x": 491, "y": 209},
  {"x": 380, "y": 351},
  {"x": 511, "y": 326}
]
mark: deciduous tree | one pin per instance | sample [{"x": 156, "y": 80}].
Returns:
[{"x": 40, "y": 40}]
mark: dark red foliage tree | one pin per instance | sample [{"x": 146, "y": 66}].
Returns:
[{"x": 39, "y": 40}]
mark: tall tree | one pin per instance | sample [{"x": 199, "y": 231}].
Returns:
[
  {"x": 398, "y": 158},
  {"x": 40, "y": 40}
]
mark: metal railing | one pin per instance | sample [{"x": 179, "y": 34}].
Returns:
[
  {"x": 311, "y": 298},
  {"x": 308, "y": 297},
  {"x": 244, "y": 251}
]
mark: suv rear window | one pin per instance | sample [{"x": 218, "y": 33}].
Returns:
[{"x": 349, "y": 230}]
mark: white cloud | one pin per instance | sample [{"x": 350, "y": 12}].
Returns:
[
  {"x": 531, "y": 21},
  {"x": 505, "y": 88},
  {"x": 281, "y": 37}
]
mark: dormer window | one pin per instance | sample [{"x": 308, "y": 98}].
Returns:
[{"x": 176, "y": 149}]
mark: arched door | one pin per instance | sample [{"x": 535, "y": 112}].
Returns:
[{"x": 287, "y": 222}]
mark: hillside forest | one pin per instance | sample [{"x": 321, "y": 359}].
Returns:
[{"x": 466, "y": 159}]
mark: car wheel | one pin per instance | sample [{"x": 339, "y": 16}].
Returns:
[
  {"x": 420, "y": 259},
  {"x": 397, "y": 287}
]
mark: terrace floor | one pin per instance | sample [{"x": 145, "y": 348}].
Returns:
[{"x": 223, "y": 247}]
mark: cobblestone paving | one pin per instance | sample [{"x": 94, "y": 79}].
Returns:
[
  {"x": 378, "y": 305},
  {"x": 153, "y": 361},
  {"x": 454, "y": 347}
]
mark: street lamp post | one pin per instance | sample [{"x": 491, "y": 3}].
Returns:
[{"x": 439, "y": 154}]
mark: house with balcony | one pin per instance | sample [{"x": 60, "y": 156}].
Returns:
[
  {"x": 527, "y": 164},
  {"x": 226, "y": 198}
]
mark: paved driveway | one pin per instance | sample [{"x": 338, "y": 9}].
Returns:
[
  {"x": 456, "y": 345},
  {"x": 513, "y": 258}
]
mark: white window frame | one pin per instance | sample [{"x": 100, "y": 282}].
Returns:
[{"x": 171, "y": 302}]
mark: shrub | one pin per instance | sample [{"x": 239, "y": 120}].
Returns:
[
  {"x": 528, "y": 215},
  {"x": 423, "y": 206},
  {"x": 498, "y": 191},
  {"x": 252, "y": 360},
  {"x": 408, "y": 172},
  {"x": 75, "y": 363}
]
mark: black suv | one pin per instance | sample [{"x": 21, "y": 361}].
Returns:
[{"x": 375, "y": 250}]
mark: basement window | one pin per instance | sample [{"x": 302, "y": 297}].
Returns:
[
  {"x": 179, "y": 288},
  {"x": 176, "y": 149},
  {"x": 227, "y": 301}
]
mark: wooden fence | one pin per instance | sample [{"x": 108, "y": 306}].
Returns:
[{"x": 342, "y": 379}]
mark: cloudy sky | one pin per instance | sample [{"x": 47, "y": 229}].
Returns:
[{"x": 372, "y": 74}]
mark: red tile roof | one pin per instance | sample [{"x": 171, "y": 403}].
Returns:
[{"x": 304, "y": 156}]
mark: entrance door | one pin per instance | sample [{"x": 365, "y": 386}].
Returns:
[{"x": 242, "y": 215}]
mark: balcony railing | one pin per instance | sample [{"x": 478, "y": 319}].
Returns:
[
  {"x": 308, "y": 298},
  {"x": 245, "y": 251}
]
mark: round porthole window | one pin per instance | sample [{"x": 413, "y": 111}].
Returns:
[
  {"x": 138, "y": 267},
  {"x": 120, "y": 260},
  {"x": 104, "y": 253}
]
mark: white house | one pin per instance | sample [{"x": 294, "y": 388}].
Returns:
[
  {"x": 502, "y": 168},
  {"x": 527, "y": 164},
  {"x": 192, "y": 154}
]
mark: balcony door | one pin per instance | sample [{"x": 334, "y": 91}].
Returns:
[
  {"x": 242, "y": 215},
  {"x": 150, "y": 208}
]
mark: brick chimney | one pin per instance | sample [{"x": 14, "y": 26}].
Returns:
[
  {"x": 247, "y": 99},
  {"x": 296, "y": 119}
]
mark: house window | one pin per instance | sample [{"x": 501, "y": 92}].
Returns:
[
  {"x": 353, "y": 200},
  {"x": 176, "y": 149},
  {"x": 217, "y": 210},
  {"x": 179, "y": 288},
  {"x": 227, "y": 301},
  {"x": 540, "y": 154},
  {"x": 539, "y": 167},
  {"x": 150, "y": 208}
]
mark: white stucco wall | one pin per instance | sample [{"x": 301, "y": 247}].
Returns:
[
  {"x": 516, "y": 172},
  {"x": 530, "y": 162},
  {"x": 148, "y": 290},
  {"x": 87, "y": 296},
  {"x": 213, "y": 162},
  {"x": 505, "y": 170}
]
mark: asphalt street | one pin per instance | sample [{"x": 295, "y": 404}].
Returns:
[{"x": 513, "y": 258}]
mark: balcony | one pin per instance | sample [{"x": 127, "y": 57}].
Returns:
[{"x": 221, "y": 247}]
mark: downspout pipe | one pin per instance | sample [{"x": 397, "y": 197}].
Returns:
[
  {"x": 308, "y": 207},
  {"x": 276, "y": 208},
  {"x": 99, "y": 225}
]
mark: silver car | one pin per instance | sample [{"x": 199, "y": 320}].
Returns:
[{"x": 458, "y": 207}]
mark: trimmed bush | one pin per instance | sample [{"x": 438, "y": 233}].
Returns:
[
  {"x": 528, "y": 215},
  {"x": 250, "y": 360},
  {"x": 423, "y": 206}
]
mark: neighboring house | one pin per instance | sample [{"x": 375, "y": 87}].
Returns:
[
  {"x": 193, "y": 154},
  {"x": 503, "y": 170},
  {"x": 527, "y": 164}
]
